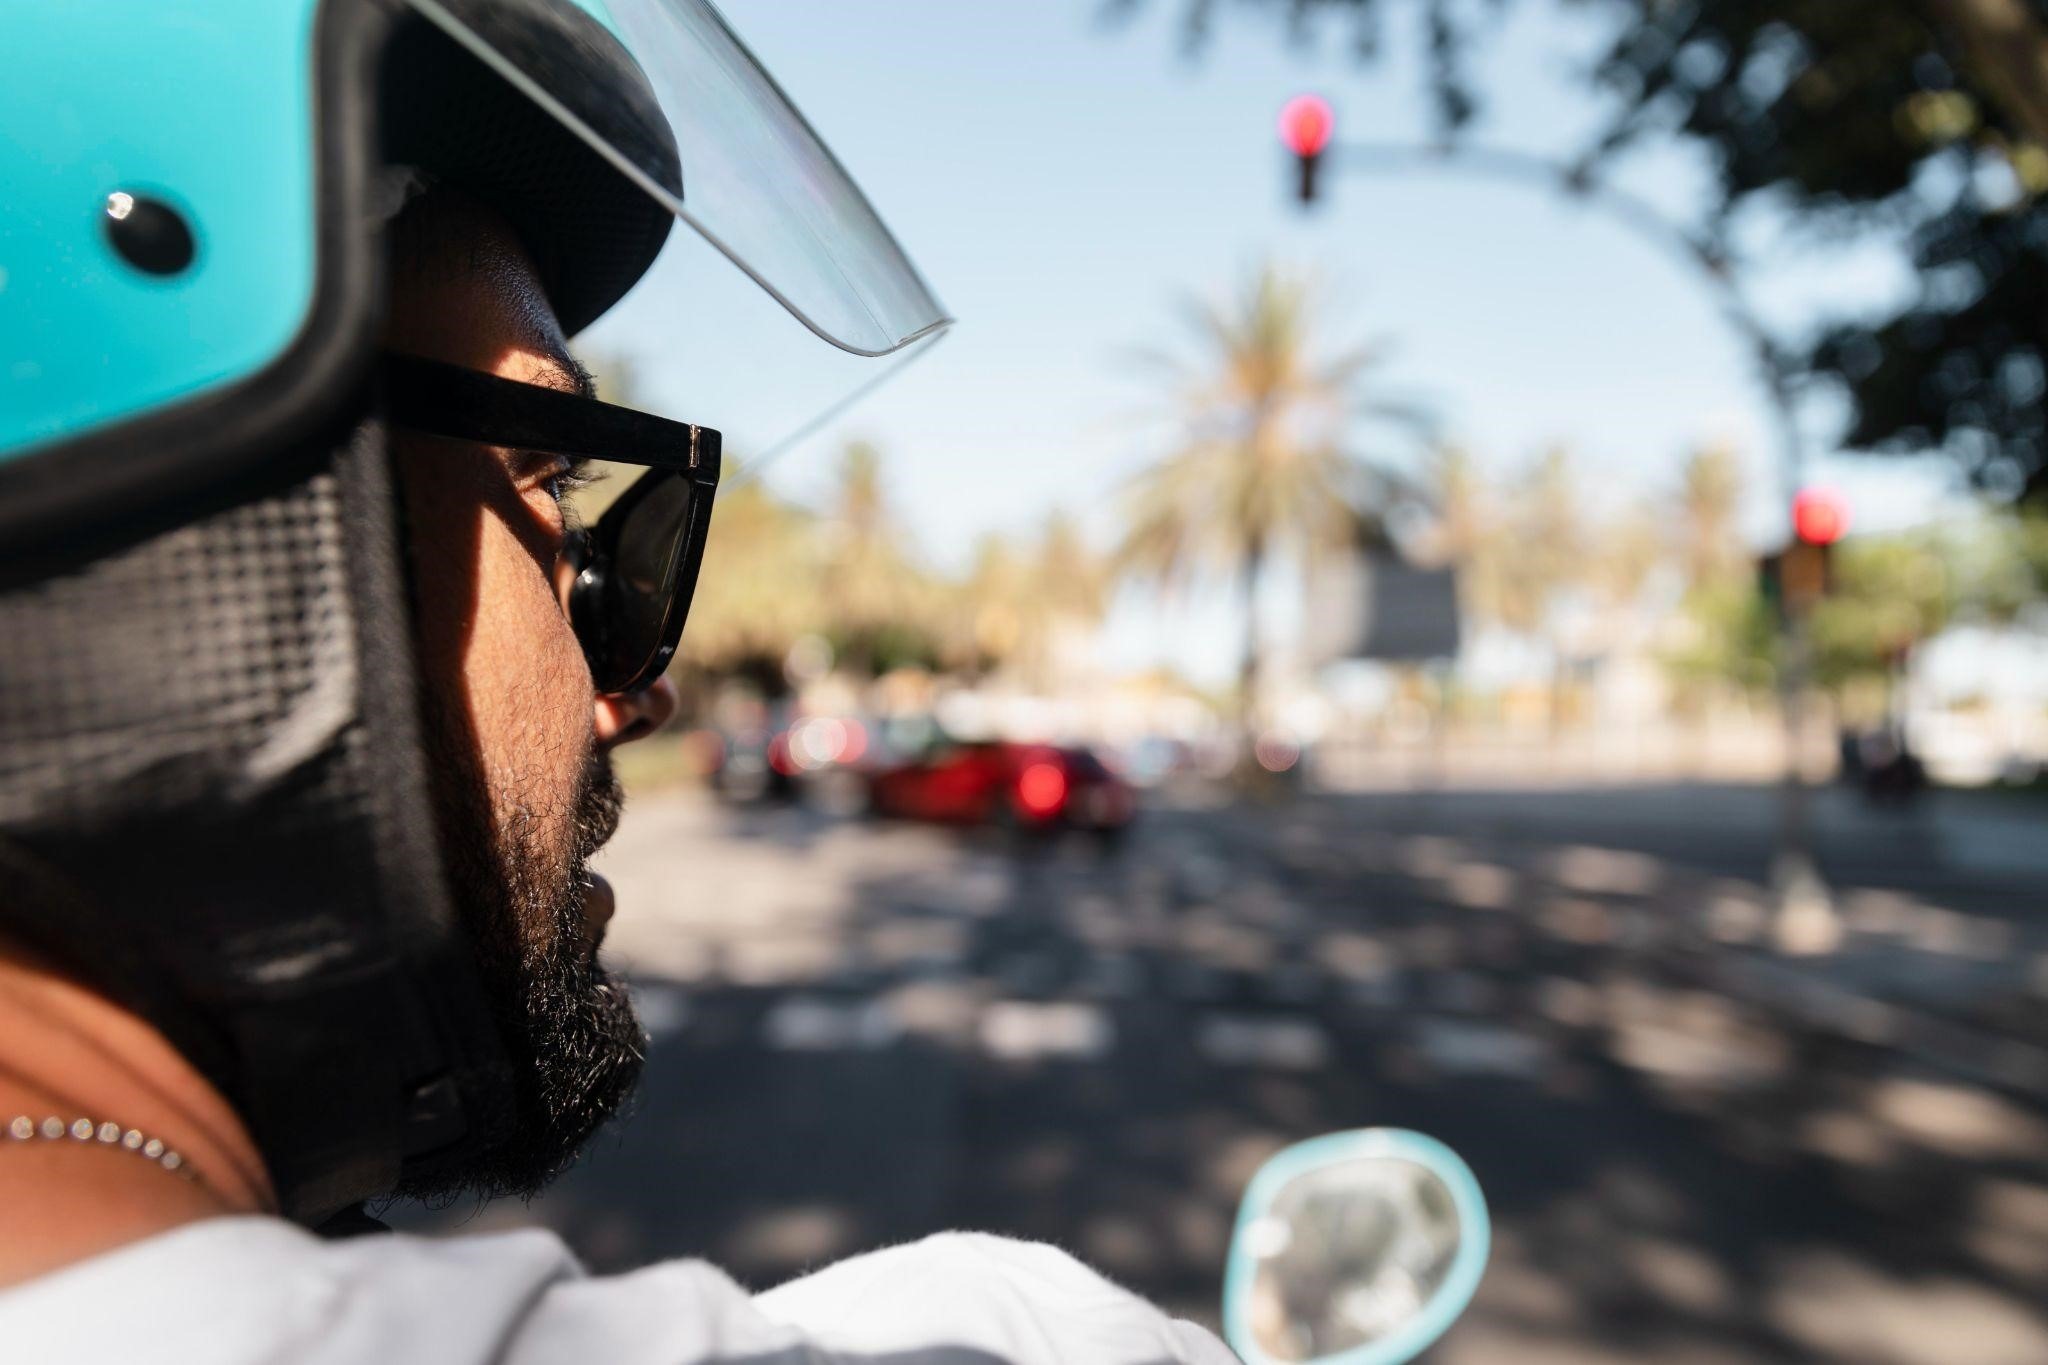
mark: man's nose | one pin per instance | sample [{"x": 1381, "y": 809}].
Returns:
[{"x": 624, "y": 717}]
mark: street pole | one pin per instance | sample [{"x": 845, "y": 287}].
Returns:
[{"x": 1804, "y": 919}]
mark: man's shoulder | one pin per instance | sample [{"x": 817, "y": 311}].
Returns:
[
  {"x": 996, "y": 1299},
  {"x": 234, "y": 1289},
  {"x": 250, "y": 1289}
]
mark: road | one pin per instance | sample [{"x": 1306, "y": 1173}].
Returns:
[{"x": 1696, "y": 1150}]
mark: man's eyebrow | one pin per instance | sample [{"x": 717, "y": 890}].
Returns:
[{"x": 565, "y": 372}]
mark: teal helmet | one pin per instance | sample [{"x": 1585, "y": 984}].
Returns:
[
  {"x": 189, "y": 248},
  {"x": 213, "y": 804}
]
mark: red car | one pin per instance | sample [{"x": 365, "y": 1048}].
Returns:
[{"x": 1034, "y": 786}]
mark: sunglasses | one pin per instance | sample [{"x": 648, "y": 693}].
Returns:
[{"x": 635, "y": 571}]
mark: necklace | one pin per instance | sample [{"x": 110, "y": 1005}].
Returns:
[{"x": 25, "y": 1129}]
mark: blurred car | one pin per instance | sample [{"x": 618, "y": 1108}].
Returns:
[
  {"x": 1028, "y": 786},
  {"x": 1156, "y": 759},
  {"x": 1880, "y": 762},
  {"x": 752, "y": 764},
  {"x": 782, "y": 755}
]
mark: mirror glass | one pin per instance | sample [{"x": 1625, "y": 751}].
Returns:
[
  {"x": 1356, "y": 1248},
  {"x": 1348, "y": 1254}
]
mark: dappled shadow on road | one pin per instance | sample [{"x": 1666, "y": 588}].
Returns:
[{"x": 1688, "y": 1157}]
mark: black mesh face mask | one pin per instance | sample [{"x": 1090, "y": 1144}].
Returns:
[
  {"x": 212, "y": 798},
  {"x": 212, "y": 807}
]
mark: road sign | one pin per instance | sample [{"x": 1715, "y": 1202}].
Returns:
[{"x": 1379, "y": 606}]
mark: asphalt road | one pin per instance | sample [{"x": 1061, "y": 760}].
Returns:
[{"x": 1695, "y": 1149}]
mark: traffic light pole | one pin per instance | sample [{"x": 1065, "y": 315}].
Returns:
[{"x": 1805, "y": 919}]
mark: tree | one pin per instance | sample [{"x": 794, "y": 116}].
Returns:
[
  {"x": 775, "y": 572},
  {"x": 1461, "y": 521},
  {"x": 2001, "y": 567},
  {"x": 1517, "y": 552},
  {"x": 1069, "y": 593},
  {"x": 1534, "y": 548},
  {"x": 1890, "y": 593},
  {"x": 1626, "y": 551},
  {"x": 1924, "y": 119},
  {"x": 1709, "y": 508},
  {"x": 1728, "y": 640},
  {"x": 1729, "y": 636},
  {"x": 1261, "y": 464},
  {"x": 1071, "y": 576},
  {"x": 1018, "y": 603},
  {"x": 991, "y": 604},
  {"x": 878, "y": 606},
  {"x": 758, "y": 593}
]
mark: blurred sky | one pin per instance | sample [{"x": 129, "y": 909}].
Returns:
[{"x": 1062, "y": 181}]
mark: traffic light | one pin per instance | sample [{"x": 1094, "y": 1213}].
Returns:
[
  {"x": 1306, "y": 124},
  {"x": 1819, "y": 516},
  {"x": 1800, "y": 576}
]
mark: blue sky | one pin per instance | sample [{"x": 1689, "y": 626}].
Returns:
[{"x": 1062, "y": 182}]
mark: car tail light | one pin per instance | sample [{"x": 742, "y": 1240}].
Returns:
[{"x": 1041, "y": 789}]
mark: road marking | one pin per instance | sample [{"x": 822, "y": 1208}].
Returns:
[
  {"x": 1262, "y": 1040},
  {"x": 1019, "y": 1030},
  {"x": 809, "y": 1023},
  {"x": 663, "y": 1010},
  {"x": 1460, "y": 1047}
]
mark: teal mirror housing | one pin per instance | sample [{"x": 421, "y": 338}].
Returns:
[{"x": 1258, "y": 1315}]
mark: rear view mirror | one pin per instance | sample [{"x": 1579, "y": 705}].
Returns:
[{"x": 1357, "y": 1248}]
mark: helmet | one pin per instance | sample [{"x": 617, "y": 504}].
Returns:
[{"x": 212, "y": 800}]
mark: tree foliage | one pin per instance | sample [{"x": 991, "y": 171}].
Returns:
[
  {"x": 1927, "y": 119},
  {"x": 1526, "y": 543},
  {"x": 877, "y": 603},
  {"x": 776, "y": 571},
  {"x": 1263, "y": 462}
]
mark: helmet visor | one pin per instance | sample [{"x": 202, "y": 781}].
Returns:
[{"x": 745, "y": 170}]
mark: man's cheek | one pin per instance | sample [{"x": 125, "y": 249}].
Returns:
[
  {"x": 539, "y": 725},
  {"x": 529, "y": 703},
  {"x": 523, "y": 635}
]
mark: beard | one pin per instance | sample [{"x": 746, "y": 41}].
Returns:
[{"x": 518, "y": 862}]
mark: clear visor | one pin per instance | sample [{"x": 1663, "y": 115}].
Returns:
[{"x": 756, "y": 183}]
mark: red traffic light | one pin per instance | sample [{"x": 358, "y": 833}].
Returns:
[
  {"x": 1819, "y": 516},
  {"x": 1306, "y": 123}
]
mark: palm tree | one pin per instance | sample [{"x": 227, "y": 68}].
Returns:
[
  {"x": 1261, "y": 463},
  {"x": 1020, "y": 605},
  {"x": 1464, "y": 530},
  {"x": 1070, "y": 574},
  {"x": 1549, "y": 539},
  {"x": 1460, "y": 514},
  {"x": 1069, "y": 590},
  {"x": 873, "y": 593},
  {"x": 990, "y": 604},
  {"x": 1550, "y": 557},
  {"x": 1709, "y": 501},
  {"x": 759, "y": 592},
  {"x": 1626, "y": 553}
]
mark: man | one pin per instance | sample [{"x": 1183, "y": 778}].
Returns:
[{"x": 309, "y": 684}]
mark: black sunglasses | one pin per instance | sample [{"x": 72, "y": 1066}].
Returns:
[{"x": 636, "y": 569}]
